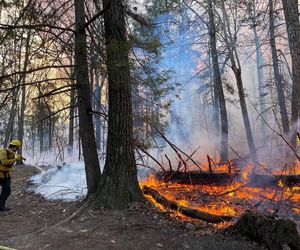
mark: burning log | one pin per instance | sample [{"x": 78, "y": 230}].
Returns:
[
  {"x": 265, "y": 228},
  {"x": 208, "y": 178},
  {"x": 192, "y": 213},
  {"x": 196, "y": 177},
  {"x": 273, "y": 180}
]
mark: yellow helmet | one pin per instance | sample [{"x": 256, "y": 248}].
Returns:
[{"x": 16, "y": 143}]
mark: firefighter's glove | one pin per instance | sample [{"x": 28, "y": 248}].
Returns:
[{"x": 19, "y": 157}]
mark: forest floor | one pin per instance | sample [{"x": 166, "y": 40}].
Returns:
[{"x": 33, "y": 224}]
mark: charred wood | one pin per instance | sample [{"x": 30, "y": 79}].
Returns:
[
  {"x": 273, "y": 180},
  {"x": 192, "y": 213},
  {"x": 196, "y": 177},
  {"x": 209, "y": 164},
  {"x": 274, "y": 232},
  {"x": 208, "y": 178}
]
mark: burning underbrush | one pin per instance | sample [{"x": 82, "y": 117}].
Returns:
[{"x": 226, "y": 191}]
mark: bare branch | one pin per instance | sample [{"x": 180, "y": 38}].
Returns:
[
  {"x": 34, "y": 70},
  {"x": 33, "y": 26}
]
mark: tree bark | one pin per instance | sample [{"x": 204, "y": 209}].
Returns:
[
  {"x": 291, "y": 14},
  {"x": 86, "y": 127},
  {"x": 274, "y": 232},
  {"x": 119, "y": 185},
  {"x": 72, "y": 112}
]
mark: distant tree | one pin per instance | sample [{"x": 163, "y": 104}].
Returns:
[
  {"x": 230, "y": 41},
  {"x": 254, "y": 24},
  {"x": 277, "y": 75},
  {"x": 218, "y": 81},
  {"x": 21, "y": 121}
]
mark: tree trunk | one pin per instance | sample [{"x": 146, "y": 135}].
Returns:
[
  {"x": 71, "y": 113},
  {"x": 86, "y": 127},
  {"x": 40, "y": 126},
  {"x": 97, "y": 108},
  {"x": 278, "y": 80},
  {"x": 276, "y": 233},
  {"x": 11, "y": 119},
  {"x": 218, "y": 84},
  {"x": 250, "y": 140},
  {"x": 119, "y": 185},
  {"x": 236, "y": 68},
  {"x": 98, "y": 89},
  {"x": 23, "y": 96},
  {"x": 291, "y": 14},
  {"x": 259, "y": 65}
]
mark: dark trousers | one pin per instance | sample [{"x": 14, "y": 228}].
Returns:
[{"x": 5, "y": 183}]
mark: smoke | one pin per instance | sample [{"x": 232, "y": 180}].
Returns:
[
  {"x": 66, "y": 182},
  {"x": 192, "y": 120},
  {"x": 192, "y": 124}
]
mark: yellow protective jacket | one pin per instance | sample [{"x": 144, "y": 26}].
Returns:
[{"x": 7, "y": 160}]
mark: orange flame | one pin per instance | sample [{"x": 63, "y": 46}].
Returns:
[{"x": 231, "y": 200}]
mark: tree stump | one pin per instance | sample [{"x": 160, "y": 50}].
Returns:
[{"x": 274, "y": 232}]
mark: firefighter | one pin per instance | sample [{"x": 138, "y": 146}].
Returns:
[{"x": 8, "y": 157}]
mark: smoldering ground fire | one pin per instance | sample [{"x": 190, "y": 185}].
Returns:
[{"x": 228, "y": 190}]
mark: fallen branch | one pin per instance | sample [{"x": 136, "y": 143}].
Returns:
[
  {"x": 229, "y": 191},
  {"x": 189, "y": 212}
]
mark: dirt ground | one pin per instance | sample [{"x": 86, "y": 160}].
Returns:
[{"x": 32, "y": 224}]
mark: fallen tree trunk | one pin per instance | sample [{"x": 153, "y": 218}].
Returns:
[
  {"x": 196, "y": 177},
  {"x": 274, "y": 232},
  {"x": 204, "y": 178},
  {"x": 257, "y": 180},
  {"x": 192, "y": 213}
]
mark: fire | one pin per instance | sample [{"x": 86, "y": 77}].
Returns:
[
  {"x": 232, "y": 199},
  {"x": 280, "y": 184}
]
